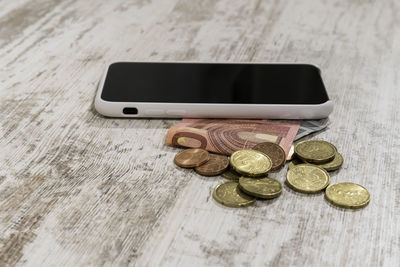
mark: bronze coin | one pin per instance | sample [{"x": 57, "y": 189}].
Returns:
[
  {"x": 274, "y": 151},
  {"x": 215, "y": 166},
  {"x": 190, "y": 158}
]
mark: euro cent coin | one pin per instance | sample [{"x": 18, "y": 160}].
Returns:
[
  {"x": 347, "y": 195},
  {"x": 231, "y": 175},
  {"x": 307, "y": 178},
  {"x": 334, "y": 164},
  {"x": 315, "y": 151},
  {"x": 294, "y": 162},
  {"x": 190, "y": 158},
  {"x": 216, "y": 165},
  {"x": 250, "y": 162},
  {"x": 229, "y": 194},
  {"x": 260, "y": 187},
  {"x": 274, "y": 151}
]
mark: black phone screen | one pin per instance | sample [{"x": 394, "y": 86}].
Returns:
[{"x": 214, "y": 83}]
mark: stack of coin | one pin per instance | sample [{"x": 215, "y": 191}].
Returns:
[
  {"x": 247, "y": 171},
  {"x": 249, "y": 168},
  {"x": 275, "y": 157},
  {"x": 320, "y": 153},
  {"x": 308, "y": 173}
]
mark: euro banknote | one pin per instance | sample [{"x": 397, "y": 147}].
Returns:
[{"x": 226, "y": 136}]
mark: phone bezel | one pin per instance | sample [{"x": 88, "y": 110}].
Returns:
[{"x": 211, "y": 110}]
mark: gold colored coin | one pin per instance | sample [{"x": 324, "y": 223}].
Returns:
[
  {"x": 261, "y": 187},
  {"x": 229, "y": 194},
  {"x": 274, "y": 151},
  {"x": 294, "y": 162},
  {"x": 347, "y": 195},
  {"x": 307, "y": 178},
  {"x": 315, "y": 151},
  {"x": 231, "y": 175},
  {"x": 250, "y": 162},
  {"x": 215, "y": 166},
  {"x": 333, "y": 165},
  {"x": 192, "y": 157}
]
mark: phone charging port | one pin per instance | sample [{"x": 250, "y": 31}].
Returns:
[{"x": 130, "y": 111}]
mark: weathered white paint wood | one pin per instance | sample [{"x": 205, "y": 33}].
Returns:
[{"x": 80, "y": 189}]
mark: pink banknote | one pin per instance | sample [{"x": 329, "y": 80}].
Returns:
[{"x": 227, "y": 136}]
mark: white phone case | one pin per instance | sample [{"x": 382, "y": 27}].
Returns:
[{"x": 201, "y": 110}]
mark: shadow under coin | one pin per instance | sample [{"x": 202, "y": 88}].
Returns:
[
  {"x": 230, "y": 208},
  {"x": 263, "y": 202},
  {"x": 294, "y": 192},
  {"x": 350, "y": 210}
]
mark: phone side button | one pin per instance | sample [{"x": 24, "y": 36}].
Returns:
[
  {"x": 154, "y": 112},
  {"x": 176, "y": 112}
]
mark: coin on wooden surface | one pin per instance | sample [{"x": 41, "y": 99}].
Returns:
[
  {"x": 229, "y": 194},
  {"x": 250, "y": 162},
  {"x": 216, "y": 165},
  {"x": 307, "y": 178},
  {"x": 347, "y": 195},
  {"x": 334, "y": 164},
  {"x": 190, "y": 158},
  {"x": 274, "y": 151},
  {"x": 260, "y": 187},
  {"x": 231, "y": 175},
  {"x": 315, "y": 151}
]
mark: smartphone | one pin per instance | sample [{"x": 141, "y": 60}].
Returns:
[{"x": 212, "y": 90}]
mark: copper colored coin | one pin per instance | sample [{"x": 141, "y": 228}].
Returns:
[
  {"x": 190, "y": 158},
  {"x": 274, "y": 151},
  {"x": 215, "y": 166}
]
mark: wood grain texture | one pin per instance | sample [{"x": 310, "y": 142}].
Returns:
[{"x": 80, "y": 189}]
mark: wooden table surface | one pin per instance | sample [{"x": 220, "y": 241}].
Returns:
[{"x": 77, "y": 188}]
